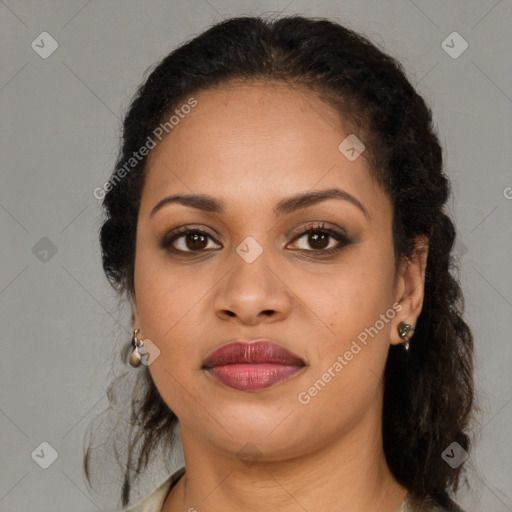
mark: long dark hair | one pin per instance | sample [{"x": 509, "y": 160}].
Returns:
[{"x": 428, "y": 393}]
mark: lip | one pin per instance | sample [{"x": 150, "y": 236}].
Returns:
[{"x": 251, "y": 366}]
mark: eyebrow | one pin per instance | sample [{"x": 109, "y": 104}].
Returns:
[{"x": 285, "y": 206}]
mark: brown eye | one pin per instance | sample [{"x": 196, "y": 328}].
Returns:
[
  {"x": 187, "y": 240},
  {"x": 318, "y": 240},
  {"x": 195, "y": 241},
  {"x": 321, "y": 240}
]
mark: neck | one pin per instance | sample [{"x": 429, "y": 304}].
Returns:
[{"x": 349, "y": 473}]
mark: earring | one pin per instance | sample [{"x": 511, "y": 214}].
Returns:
[
  {"x": 135, "y": 356},
  {"x": 405, "y": 332}
]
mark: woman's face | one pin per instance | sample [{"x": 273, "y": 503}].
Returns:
[{"x": 267, "y": 166}]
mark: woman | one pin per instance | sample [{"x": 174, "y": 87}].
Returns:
[{"x": 276, "y": 218}]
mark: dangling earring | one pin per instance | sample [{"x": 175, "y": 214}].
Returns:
[
  {"x": 135, "y": 356},
  {"x": 405, "y": 332}
]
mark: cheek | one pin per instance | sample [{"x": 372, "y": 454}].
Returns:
[
  {"x": 167, "y": 303},
  {"x": 356, "y": 304}
]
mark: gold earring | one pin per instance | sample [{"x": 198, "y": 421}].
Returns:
[
  {"x": 405, "y": 332},
  {"x": 135, "y": 356}
]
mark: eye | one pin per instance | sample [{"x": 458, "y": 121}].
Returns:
[
  {"x": 316, "y": 239},
  {"x": 185, "y": 239},
  {"x": 321, "y": 239}
]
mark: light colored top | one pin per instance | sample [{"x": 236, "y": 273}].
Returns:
[{"x": 155, "y": 501}]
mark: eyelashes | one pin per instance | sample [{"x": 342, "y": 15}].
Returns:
[{"x": 317, "y": 240}]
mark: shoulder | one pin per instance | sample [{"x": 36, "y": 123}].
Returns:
[{"x": 154, "y": 502}]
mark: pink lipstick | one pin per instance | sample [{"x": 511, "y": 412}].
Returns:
[{"x": 252, "y": 366}]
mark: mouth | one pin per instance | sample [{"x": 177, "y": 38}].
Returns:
[{"x": 252, "y": 366}]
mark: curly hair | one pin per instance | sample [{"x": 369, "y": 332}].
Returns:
[{"x": 428, "y": 392}]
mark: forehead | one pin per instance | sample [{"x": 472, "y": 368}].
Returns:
[{"x": 268, "y": 139}]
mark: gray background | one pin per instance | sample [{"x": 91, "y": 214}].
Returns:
[{"x": 60, "y": 120}]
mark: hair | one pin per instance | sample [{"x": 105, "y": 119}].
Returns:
[{"x": 428, "y": 391}]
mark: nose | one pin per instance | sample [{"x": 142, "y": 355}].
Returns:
[{"x": 252, "y": 293}]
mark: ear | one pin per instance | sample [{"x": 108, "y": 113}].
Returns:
[{"x": 410, "y": 288}]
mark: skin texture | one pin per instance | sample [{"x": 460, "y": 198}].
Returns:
[{"x": 250, "y": 146}]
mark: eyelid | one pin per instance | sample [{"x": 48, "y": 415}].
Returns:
[{"x": 318, "y": 226}]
